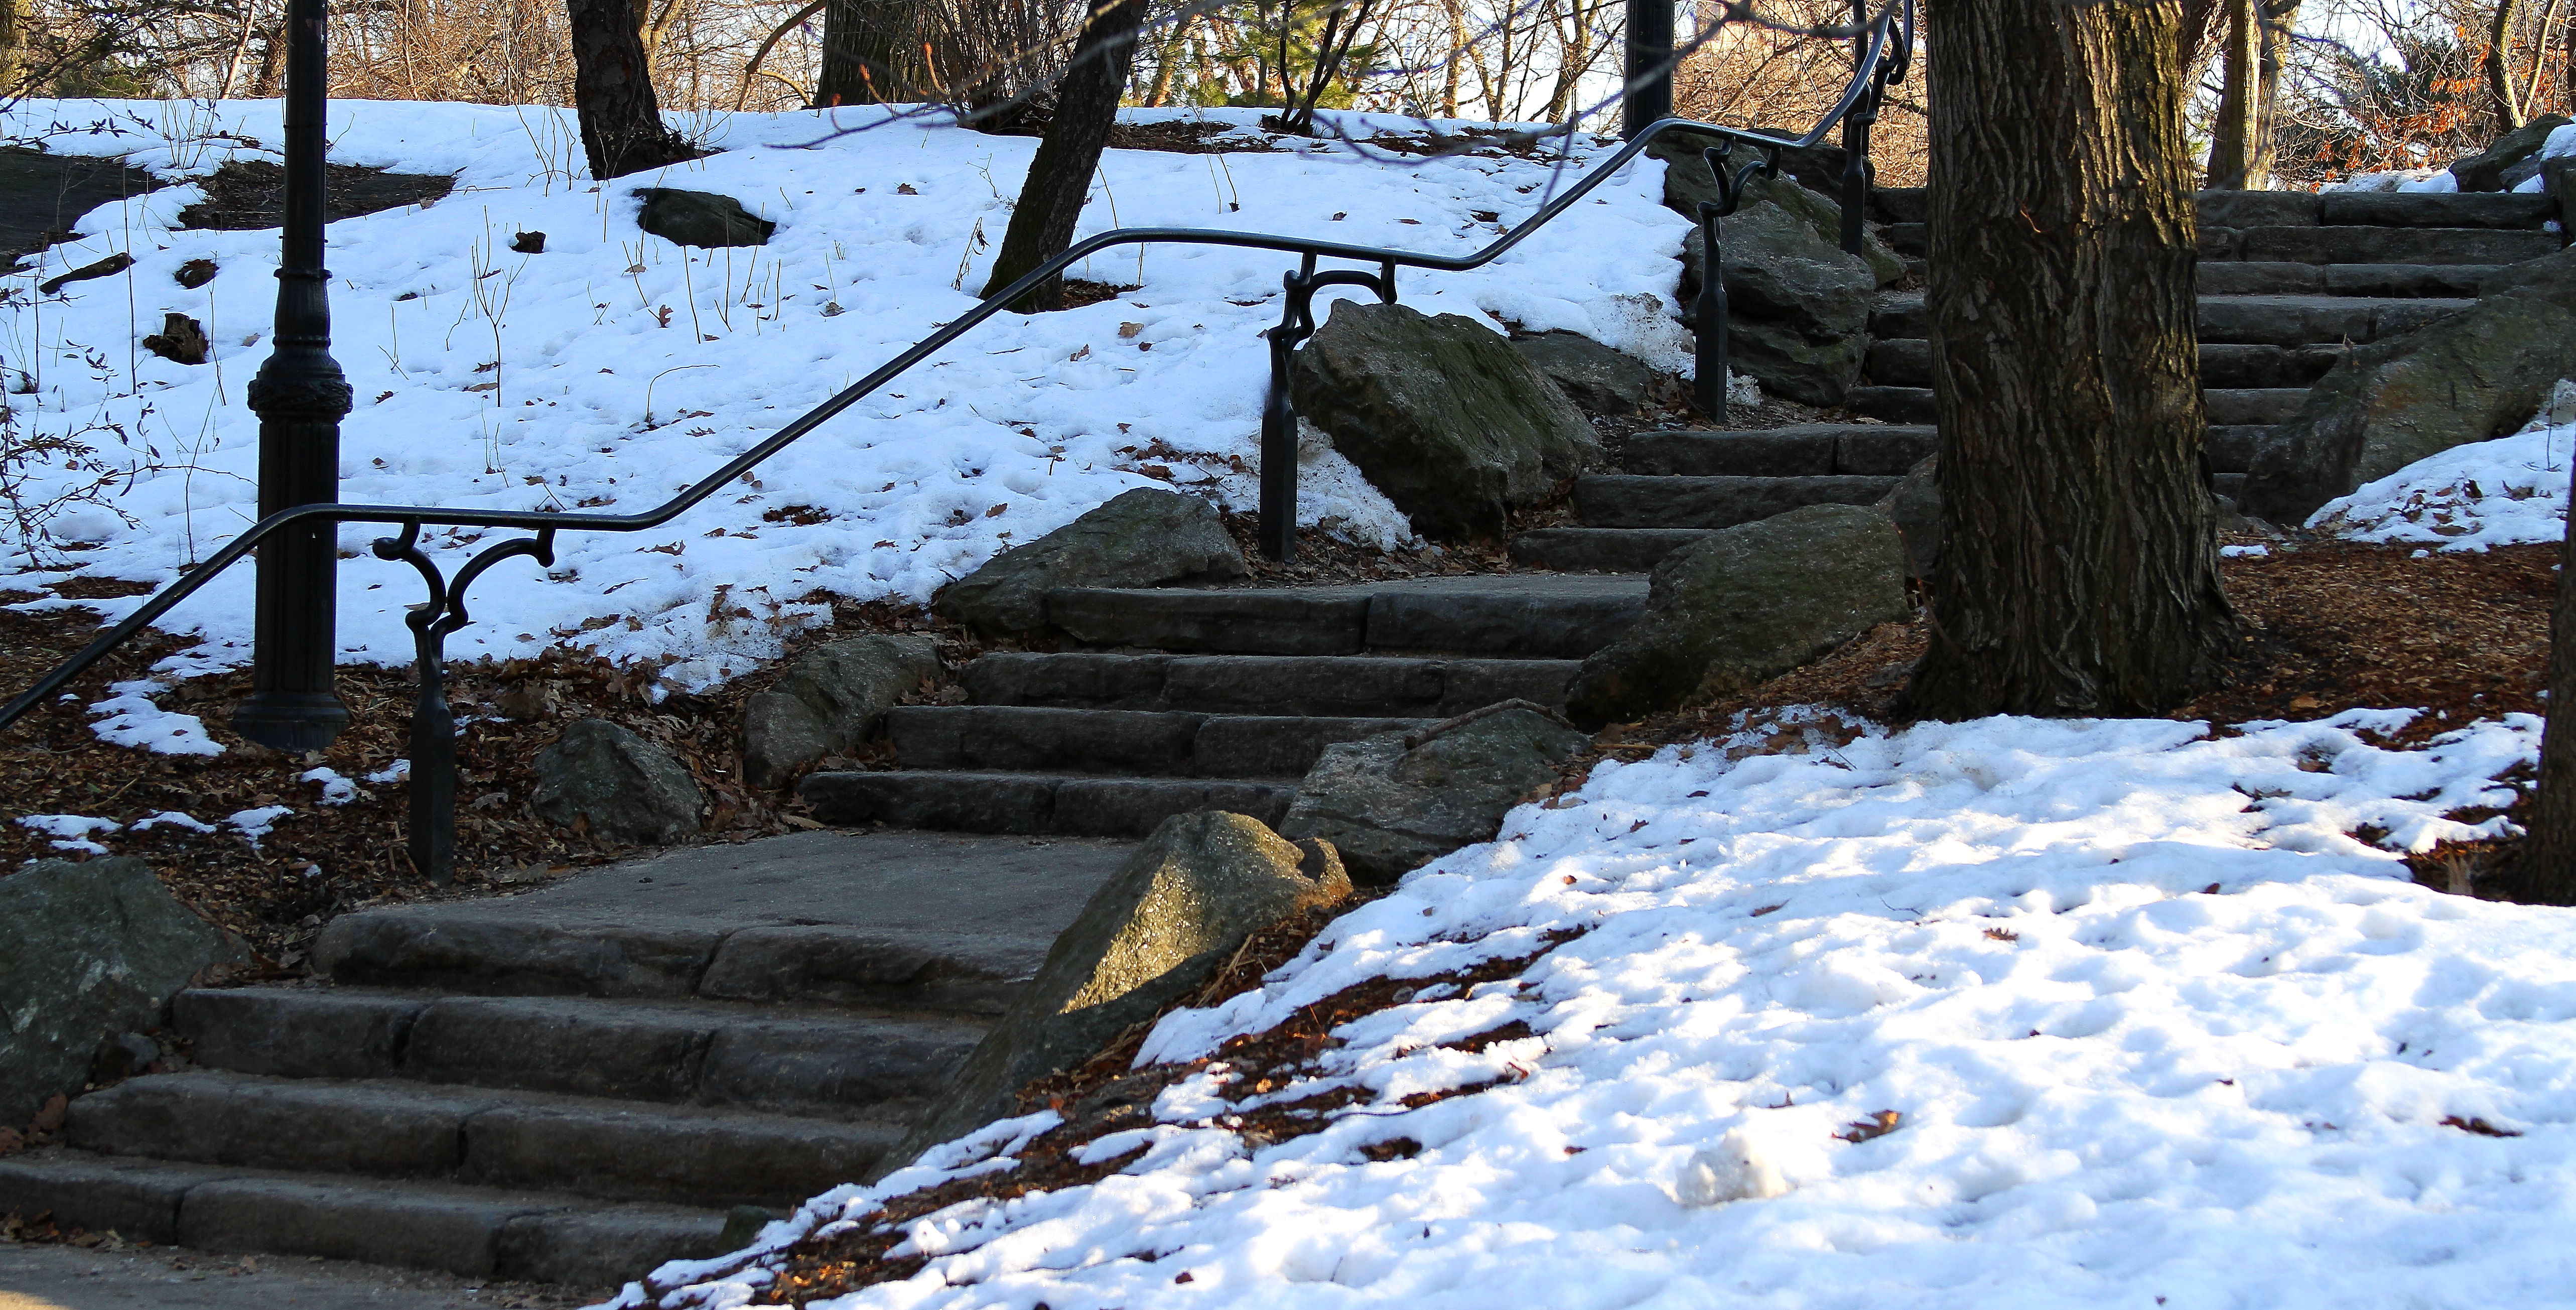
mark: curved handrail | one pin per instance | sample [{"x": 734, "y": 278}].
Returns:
[{"x": 1882, "y": 31}]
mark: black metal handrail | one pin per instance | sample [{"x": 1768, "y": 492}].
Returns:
[{"x": 1883, "y": 59}]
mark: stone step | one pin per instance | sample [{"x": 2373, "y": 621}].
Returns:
[
  {"x": 473, "y": 1232},
  {"x": 2250, "y": 277},
  {"x": 891, "y": 921},
  {"x": 1603, "y": 550},
  {"x": 789, "y": 1060},
  {"x": 605, "y": 1149},
  {"x": 1803, "y": 450},
  {"x": 1908, "y": 363},
  {"x": 2333, "y": 243},
  {"x": 1367, "y": 686},
  {"x": 2272, "y": 320},
  {"x": 990, "y": 802},
  {"x": 2227, "y": 406},
  {"x": 1808, "y": 450},
  {"x": 2230, "y": 485},
  {"x": 1154, "y": 743},
  {"x": 2295, "y": 208},
  {"x": 1622, "y": 500},
  {"x": 1534, "y": 616}
]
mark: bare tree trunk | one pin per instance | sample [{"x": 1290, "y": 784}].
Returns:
[
  {"x": 2508, "y": 109},
  {"x": 1167, "y": 60},
  {"x": 2079, "y": 567},
  {"x": 2232, "y": 136},
  {"x": 621, "y": 122},
  {"x": 13, "y": 44},
  {"x": 1449, "y": 67},
  {"x": 2545, "y": 865},
  {"x": 871, "y": 53},
  {"x": 2278, "y": 18},
  {"x": 1060, "y": 176}
]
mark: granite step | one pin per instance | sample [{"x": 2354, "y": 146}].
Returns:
[
  {"x": 1819, "y": 449},
  {"x": 2252, "y": 277},
  {"x": 475, "y": 1232},
  {"x": 2227, "y": 406},
  {"x": 2226, "y": 208},
  {"x": 1624, "y": 500},
  {"x": 1033, "y": 803},
  {"x": 1361, "y": 686},
  {"x": 2321, "y": 243},
  {"x": 2252, "y": 319},
  {"x": 1604, "y": 550},
  {"x": 1908, "y": 363},
  {"x": 1165, "y": 743},
  {"x": 605, "y": 1149},
  {"x": 1532, "y": 615}
]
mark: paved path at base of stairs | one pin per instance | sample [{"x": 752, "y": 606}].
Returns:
[{"x": 50, "y": 1277}]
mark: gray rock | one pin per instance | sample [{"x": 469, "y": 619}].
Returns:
[
  {"x": 1142, "y": 538},
  {"x": 2558, "y": 181},
  {"x": 1442, "y": 415},
  {"x": 1797, "y": 305},
  {"x": 1750, "y": 603},
  {"x": 88, "y": 951},
  {"x": 830, "y": 700},
  {"x": 615, "y": 785},
  {"x": 2475, "y": 375},
  {"x": 1397, "y": 801},
  {"x": 1915, "y": 507},
  {"x": 1162, "y": 925},
  {"x": 1590, "y": 374},
  {"x": 2511, "y": 160},
  {"x": 1688, "y": 183},
  {"x": 700, "y": 218}
]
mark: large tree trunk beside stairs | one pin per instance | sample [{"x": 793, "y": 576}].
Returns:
[
  {"x": 1060, "y": 177},
  {"x": 612, "y": 92},
  {"x": 2544, "y": 866},
  {"x": 2079, "y": 571}
]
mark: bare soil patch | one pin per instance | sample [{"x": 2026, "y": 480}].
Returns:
[{"x": 251, "y": 193}]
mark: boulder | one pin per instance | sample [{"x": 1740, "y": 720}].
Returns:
[
  {"x": 1590, "y": 374},
  {"x": 700, "y": 218},
  {"x": 1147, "y": 537},
  {"x": 830, "y": 700},
  {"x": 1688, "y": 182},
  {"x": 1440, "y": 414},
  {"x": 2512, "y": 160},
  {"x": 1914, "y": 506},
  {"x": 89, "y": 951},
  {"x": 604, "y": 779},
  {"x": 2473, "y": 376},
  {"x": 1749, "y": 603},
  {"x": 1161, "y": 926},
  {"x": 1397, "y": 801},
  {"x": 2558, "y": 181},
  {"x": 1797, "y": 304}
]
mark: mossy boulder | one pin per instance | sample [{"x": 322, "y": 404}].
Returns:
[
  {"x": 830, "y": 700},
  {"x": 1396, "y": 801},
  {"x": 1146, "y": 537}
]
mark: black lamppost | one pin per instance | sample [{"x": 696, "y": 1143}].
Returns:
[
  {"x": 300, "y": 396},
  {"x": 1649, "y": 66}
]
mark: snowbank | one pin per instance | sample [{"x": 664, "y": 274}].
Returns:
[
  {"x": 614, "y": 368},
  {"x": 2151, "y": 1025},
  {"x": 2511, "y": 491}
]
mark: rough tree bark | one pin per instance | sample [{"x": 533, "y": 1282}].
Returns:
[
  {"x": 612, "y": 92},
  {"x": 871, "y": 53},
  {"x": 1060, "y": 176},
  {"x": 2508, "y": 109},
  {"x": 2079, "y": 570},
  {"x": 2235, "y": 131},
  {"x": 2545, "y": 864},
  {"x": 2278, "y": 18}
]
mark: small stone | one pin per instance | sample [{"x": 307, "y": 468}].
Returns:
[
  {"x": 1147, "y": 537},
  {"x": 701, "y": 218},
  {"x": 1442, "y": 415},
  {"x": 1749, "y": 603},
  {"x": 121, "y": 1056},
  {"x": 529, "y": 243},
  {"x": 1592, "y": 375},
  {"x": 1915, "y": 507},
  {"x": 617, "y": 785},
  {"x": 88, "y": 950},
  {"x": 195, "y": 273},
  {"x": 1162, "y": 925},
  {"x": 1397, "y": 801},
  {"x": 108, "y": 267},
  {"x": 831, "y": 699},
  {"x": 181, "y": 340}
]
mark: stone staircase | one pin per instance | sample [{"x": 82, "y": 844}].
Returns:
[
  {"x": 2288, "y": 280},
  {"x": 574, "y": 1085}
]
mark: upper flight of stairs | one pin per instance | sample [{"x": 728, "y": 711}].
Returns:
[{"x": 2288, "y": 281}]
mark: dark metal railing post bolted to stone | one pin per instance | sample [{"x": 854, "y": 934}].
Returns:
[
  {"x": 1647, "y": 98},
  {"x": 301, "y": 396}
]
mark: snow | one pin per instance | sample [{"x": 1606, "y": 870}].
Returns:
[
  {"x": 2507, "y": 492},
  {"x": 70, "y": 832},
  {"x": 254, "y": 824},
  {"x": 596, "y": 402},
  {"x": 2151, "y": 1023},
  {"x": 133, "y": 720}
]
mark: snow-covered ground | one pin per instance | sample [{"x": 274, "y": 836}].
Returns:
[
  {"x": 2155, "y": 1027},
  {"x": 614, "y": 367},
  {"x": 2511, "y": 491}
]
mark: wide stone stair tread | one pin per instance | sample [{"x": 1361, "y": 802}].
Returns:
[
  {"x": 1167, "y": 743},
  {"x": 1525, "y": 614},
  {"x": 462, "y": 1229},
  {"x": 2254, "y": 277},
  {"x": 1604, "y": 550},
  {"x": 1626, "y": 500},
  {"x": 1801, "y": 450},
  {"x": 607, "y": 1149},
  {"x": 2227, "y": 208},
  {"x": 998, "y": 802},
  {"x": 2251, "y": 406},
  {"x": 1908, "y": 363},
  {"x": 1353, "y": 686},
  {"x": 1896, "y": 405},
  {"x": 2251, "y": 319},
  {"x": 797, "y": 1060},
  {"x": 2352, "y": 243}
]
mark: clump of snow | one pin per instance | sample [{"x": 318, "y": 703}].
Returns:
[
  {"x": 398, "y": 771},
  {"x": 614, "y": 368},
  {"x": 2404, "y": 179},
  {"x": 336, "y": 789},
  {"x": 254, "y": 824},
  {"x": 131, "y": 719},
  {"x": 2256, "y": 551},
  {"x": 173, "y": 818},
  {"x": 2507, "y": 492},
  {"x": 70, "y": 832},
  {"x": 2000, "y": 1013}
]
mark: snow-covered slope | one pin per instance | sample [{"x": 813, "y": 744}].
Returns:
[
  {"x": 627, "y": 367},
  {"x": 2155, "y": 1030},
  {"x": 2511, "y": 491}
]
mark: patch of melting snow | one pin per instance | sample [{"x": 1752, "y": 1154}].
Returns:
[{"x": 70, "y": 832}]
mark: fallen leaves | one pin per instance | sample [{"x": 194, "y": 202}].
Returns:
[{"x": 1876, "y": 1126}]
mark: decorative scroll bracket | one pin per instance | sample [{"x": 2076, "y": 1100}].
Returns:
[
  {"x": 1279, "y": 409},
  {"x": 1708, "y": 311}
]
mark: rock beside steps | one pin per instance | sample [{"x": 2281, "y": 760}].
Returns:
[
  {"x": 575, "y": 1085},
  {"x": 2288, "y": 281}
]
